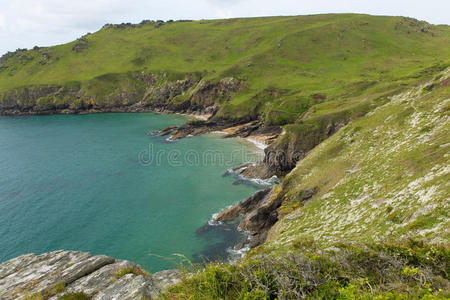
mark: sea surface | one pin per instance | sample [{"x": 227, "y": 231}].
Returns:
[{"x": 101, "y": 183}]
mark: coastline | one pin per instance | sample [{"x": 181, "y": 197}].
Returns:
[
  {"x": 226, "y": 129},
  {"x": 229, "y": 128},
  {"x": 245, "y": 142}
]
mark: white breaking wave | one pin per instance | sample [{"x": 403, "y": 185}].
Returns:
[
  {"x": 230, "y": 171},
  {"x": 212, "y": 221},
  {"x": 258, "y": 144},
  {"x": 263, "y": 182},
  {"x": 236, "y": 255}
]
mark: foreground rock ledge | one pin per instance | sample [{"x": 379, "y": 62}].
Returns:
[{"x": 57, "y": 273}]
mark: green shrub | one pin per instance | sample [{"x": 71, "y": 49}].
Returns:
[{"x": 347, "y": 272}]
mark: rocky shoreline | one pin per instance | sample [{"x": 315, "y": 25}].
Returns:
[
  {"x": 55, "y": 274},
  {"x": 259, "y": 211},
  {"x": 201, "y": 122},
  {"x": 189, "y": 94}
]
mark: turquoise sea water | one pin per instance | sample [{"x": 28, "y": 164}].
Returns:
[{"x": 99, "y": 183}]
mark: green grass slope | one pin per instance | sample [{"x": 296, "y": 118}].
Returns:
[
  {"x": 307, "y": 60},
  {"x": 378, "y": 228},
  {"x": 383, "y": 177}
]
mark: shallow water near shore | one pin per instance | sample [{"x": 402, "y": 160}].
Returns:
[{"x": 100, "y": 183}]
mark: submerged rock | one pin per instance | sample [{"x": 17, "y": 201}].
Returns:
[{"x": 61, "y": 272}]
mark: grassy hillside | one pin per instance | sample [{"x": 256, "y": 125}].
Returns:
[
  {"x": 376, "y": 229},
  {"x": 287, "y": 64},
  {"x": 383, "y": 177},
  {"x": 363, "y": 102}
]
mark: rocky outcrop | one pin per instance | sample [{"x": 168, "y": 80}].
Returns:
[
  {"x": 243, "y": 207},
  {"x": 54, "y": 274},
  {"x": 208, "y": 93},
  {"x": 193, "y": 127},
  {"x": 260, "y": 213},
  {"x": 282, "y": 155},
  {"x": 80, "y": 45},
  {"x": 26, "y": 100},
  {"x": 196, "y": 127},
  {"x": 160, "y": 95}
]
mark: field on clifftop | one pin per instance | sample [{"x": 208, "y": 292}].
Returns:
[{"x": 286, "y": 64}]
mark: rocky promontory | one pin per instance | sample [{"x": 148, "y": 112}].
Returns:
[{"x": 61, "y": 274}]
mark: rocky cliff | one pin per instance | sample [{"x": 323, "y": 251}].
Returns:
[
  {"x": 64, "y": 274},
  {"x": 130, "y": 92}
]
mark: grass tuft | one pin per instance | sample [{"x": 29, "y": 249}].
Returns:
[{"x": 136, "y": 270}]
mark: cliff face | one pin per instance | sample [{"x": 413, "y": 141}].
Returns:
[
  {"x": 131, "y": 92},
  {"x": 381, "y": 177},
  {"x": 59, "y": 273}
]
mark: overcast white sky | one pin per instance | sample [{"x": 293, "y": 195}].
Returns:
[{"x": 26, "y": 23}]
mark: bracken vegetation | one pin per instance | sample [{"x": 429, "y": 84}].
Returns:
[{"x": 411, "y": 270}]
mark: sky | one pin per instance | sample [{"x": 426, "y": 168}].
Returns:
[{"x": 26, "y": 23}]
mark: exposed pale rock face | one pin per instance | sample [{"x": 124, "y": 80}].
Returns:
[{"x": 57, "y": 273}]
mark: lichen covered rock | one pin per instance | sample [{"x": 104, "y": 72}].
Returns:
[{"x": 54, "y": 274}]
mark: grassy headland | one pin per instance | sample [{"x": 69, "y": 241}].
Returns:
[
  {"x": 363, "y": 102},
  {"x": 286, "y": 64}
]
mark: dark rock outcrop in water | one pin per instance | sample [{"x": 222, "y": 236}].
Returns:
[
  {"x": 243, "y": 207},
  {"x": 54, "y": 274},
  {"x": 260, "y": 214}
]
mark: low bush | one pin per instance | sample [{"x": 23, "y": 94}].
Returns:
[{"x": 346, "y": 271}]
